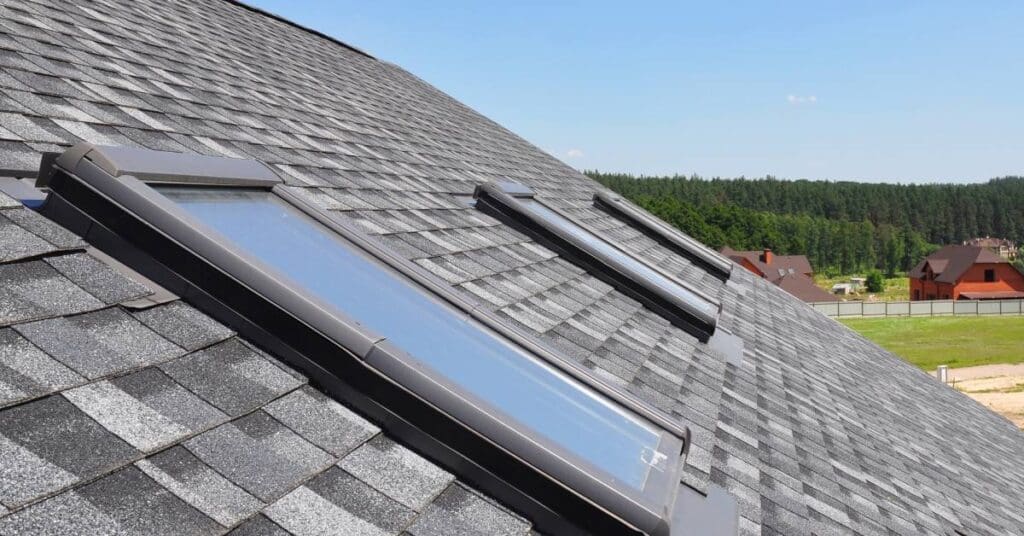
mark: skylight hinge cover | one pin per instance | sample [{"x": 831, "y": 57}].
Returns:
[{"x": 165, "y": 167}]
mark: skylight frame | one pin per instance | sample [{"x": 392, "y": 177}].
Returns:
[
  {"x": 708, "y": 259},
  {"x": 684, "y": 306},
  {"x": 648, "y": 510}
]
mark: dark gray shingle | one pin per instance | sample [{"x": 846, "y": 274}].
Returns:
[
  {"x": 335, "y": 502},
  {"x": 97, "y": 278},
  {"x": 100, "y": 343},
  {"x": 35, "y": 290},
  {"x": 260, "y": 455},
  {"x": 322, "y": 421},
  {"x": 231, "y": 376},
  {"x": 183, "y": 325},
  {"x": 49, "y": 444},
  {"x": 26, "y": 372}
]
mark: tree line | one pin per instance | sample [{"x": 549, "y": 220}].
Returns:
[
  {"x": 941, "y": 213},
  {"x": 832, "y": 246},
  {"x": 842, "y": 227}
]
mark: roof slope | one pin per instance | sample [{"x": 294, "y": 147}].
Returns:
[
  {"x": 162, "y": 421},
  {"x": 804, "y": 288},
  {"x": 949, "y": 263},
  {"x": 816, "y": 431},
  {"x": 779, "y": 267}
]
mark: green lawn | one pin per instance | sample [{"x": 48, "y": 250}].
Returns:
[
  {"x": 957, "y": 341},
  {"x": 896, "y": 288}
]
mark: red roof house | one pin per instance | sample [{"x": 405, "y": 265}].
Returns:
[
  {"x": 791, "y": 272},
  {"x": 965, "y": 273}
]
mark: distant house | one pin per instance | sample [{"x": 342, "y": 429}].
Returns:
[
  {"x": 1000, "y": 246},
  {"x": 965, "y": 273},
  {"x": 791, "y": 272}
]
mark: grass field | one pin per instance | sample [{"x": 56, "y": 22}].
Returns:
[
  {"x": 957, "y": 341},
  {"x": 896, "y": 288}
]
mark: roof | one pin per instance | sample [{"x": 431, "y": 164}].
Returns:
[
  {"x": 814, "y": 430},
  {"x": 804, "y": 288},
  {"x": 949, "y": 263},
  {"x": 779, "y": 267}
]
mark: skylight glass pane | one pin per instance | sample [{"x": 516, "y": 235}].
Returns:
[
  {"x": 591, "y": 240},
  {"x": 530, "y": 391}
]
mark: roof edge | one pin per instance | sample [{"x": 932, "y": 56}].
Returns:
[{"x": 317, "y": 33}]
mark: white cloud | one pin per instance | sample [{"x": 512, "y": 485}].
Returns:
[
  {"x": 801, "y": 99},
  {"x": 574, "y": 153}
]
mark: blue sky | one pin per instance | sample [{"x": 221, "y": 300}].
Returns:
[{"x": 915, "y": 92}]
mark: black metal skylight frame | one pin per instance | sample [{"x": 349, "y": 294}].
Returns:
[
  {"x": 98, "y": 192},
  {"x": 687, "y": 308},
  {"x": 701, "y": 255}
]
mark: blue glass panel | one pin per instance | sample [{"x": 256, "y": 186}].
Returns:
[{"x": 528, "y": 390}]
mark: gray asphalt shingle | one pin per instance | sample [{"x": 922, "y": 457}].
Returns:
[
  {"x": 126, "y": 502},
  {"x": 26, "y": 372},
  {"x": 335, "y": 502},
  {"x": 45, "y": 229},
  {"x": 100, "y": 343},
  {"x": 231, "y": 376},
  {"x": 802, "y": 447},
  {"x": 16, "y": 243},
  {"x": 322, "y": 421},
  {"x": 35, "y": 290},
  {"x": 49, "y": 444},
  {"x": 260, "y": 455},
  {"x": 194, "y": 482},
  {"x": 183, "y": 325},
  {"x": 460, "y": 512},
  {"x": 397, "y": 472},
  {"x": 146, "y": 408},
  {"x": 97, "y": 278}
]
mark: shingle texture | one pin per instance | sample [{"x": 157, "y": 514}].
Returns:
[
  {"x": 161, "y": 421},
  {"x": 814, "y": 431}
]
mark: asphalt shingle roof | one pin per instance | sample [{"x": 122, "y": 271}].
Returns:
[{"x": 144, "y": 420}]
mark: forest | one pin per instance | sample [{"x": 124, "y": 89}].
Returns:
[{"x": 843, "y": 227}]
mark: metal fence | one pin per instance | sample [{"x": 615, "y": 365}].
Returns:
[{"x": 921, "y": 308}]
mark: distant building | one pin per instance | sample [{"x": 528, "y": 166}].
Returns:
[
  {"x": 855, "y": 285},
  {"x": 965, "y": 273},
  {"x": 1000, "y": 246},
  {"x": 791, "y": 272},
  {"x": 842, "y": 289}
]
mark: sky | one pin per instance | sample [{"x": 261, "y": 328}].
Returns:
[{"x": 874, "y": 91}]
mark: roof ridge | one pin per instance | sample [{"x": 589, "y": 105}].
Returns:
[{"x": 317, "y": 33}]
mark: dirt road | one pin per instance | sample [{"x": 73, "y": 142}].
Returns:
[{"x": 1000, "y": 387}]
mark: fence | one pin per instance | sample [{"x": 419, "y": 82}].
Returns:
[{"x": 921, "y": 308}]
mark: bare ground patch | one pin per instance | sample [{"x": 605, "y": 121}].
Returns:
[{"x": 998, "y": 387}]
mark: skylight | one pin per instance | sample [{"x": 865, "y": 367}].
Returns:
[
  {"x": 507, "y": 379},
  {"x": 689, "y": 309},
  {"x": 504, "y": 411}
]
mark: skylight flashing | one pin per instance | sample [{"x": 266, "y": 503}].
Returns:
[
  {"x": 687, "y": 308},
  {"x": 90, "y": 183},
  {"x": 714, "y": 263}
]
